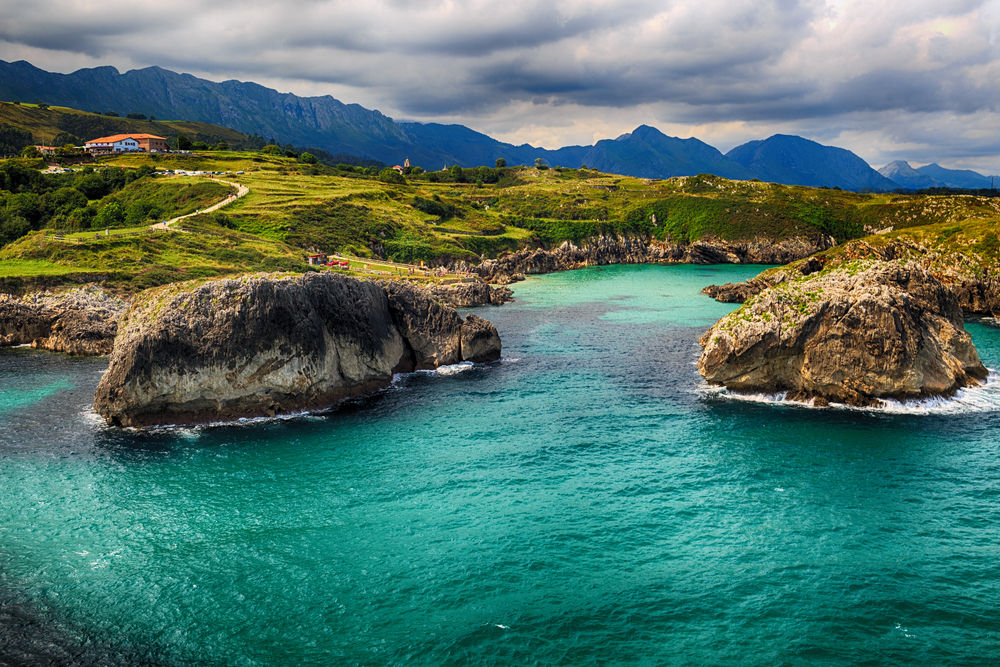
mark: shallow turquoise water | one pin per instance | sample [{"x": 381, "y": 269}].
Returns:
[{"x": 582, "y": 501}]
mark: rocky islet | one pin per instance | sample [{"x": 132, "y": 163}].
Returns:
[
  {"x": 855, "y": 334},
  {"x": 268, "y": 345}
]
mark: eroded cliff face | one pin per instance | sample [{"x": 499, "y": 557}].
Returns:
[
  {"x": 79, "y": 321},
  {"x": 855, "y": 334},
  {"x": 605, "y": 250},
  {"x": 268, "y": 345}
]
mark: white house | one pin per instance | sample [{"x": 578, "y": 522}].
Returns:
[{"x": 118, "y": 143}]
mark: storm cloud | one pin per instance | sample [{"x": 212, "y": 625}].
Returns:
[{"x": 913, "y": 79}]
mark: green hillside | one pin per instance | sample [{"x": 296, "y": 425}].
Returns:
[
  {"x": 439, "y": 217},
  {"x": 46, "y": 123}
]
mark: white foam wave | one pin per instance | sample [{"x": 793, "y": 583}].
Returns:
[
  {"x": 193, "y": 431},
  {"x": 980, "y": 399},
  {"x": 443, "y": 371},
  {"x": 90, "y": 417},
  {"x": 455, "y": 369}
]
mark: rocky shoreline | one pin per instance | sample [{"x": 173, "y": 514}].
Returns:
[
  {"x": 260, "y": 346},
  {"x": 80, "y": 321},
  {"x": 606, "y": 250},
  {"x": 976, "y": 288}
]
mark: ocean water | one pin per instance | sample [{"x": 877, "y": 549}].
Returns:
[{"x": 585, "y": 500}]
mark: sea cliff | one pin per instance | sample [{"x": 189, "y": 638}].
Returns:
[{"x": 258, "y": 346}]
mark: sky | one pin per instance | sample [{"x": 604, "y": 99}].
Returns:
[{"x": 917, "y": 80}]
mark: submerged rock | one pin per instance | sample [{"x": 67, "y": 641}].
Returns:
[
  {"x": 855, "y": 334},
  {"x": 267, "y": 345},
  {"x": 80, "y": 321}
]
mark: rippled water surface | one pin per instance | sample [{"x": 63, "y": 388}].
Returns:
[{"x": 582, "y": 501}]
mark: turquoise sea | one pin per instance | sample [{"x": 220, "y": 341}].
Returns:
[{"x": 583, "y": 501}]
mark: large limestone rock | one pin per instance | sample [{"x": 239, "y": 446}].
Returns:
[
  {"x": 81, "y": 321},
  {"x": 854, "y": 334},
  {"x": 262, "y": 346}
]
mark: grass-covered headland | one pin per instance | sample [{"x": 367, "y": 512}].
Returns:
[{"x": 95, "y": 222}]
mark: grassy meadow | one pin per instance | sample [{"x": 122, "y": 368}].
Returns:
[{"x": 459, "y": 214}]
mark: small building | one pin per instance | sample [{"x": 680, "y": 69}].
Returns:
[
  {"x": 46, "y": 150},
  {"x": 125, "y": 143},
  {"x": 318, "y": 259}
]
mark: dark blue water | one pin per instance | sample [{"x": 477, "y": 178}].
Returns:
[{"x": 583, "y": 501}]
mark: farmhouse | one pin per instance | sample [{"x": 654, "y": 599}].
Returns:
[{"x": 121, "y": 143}]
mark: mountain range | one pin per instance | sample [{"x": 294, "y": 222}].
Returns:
[
  {"x": 935, "y": 176},
  {"x": 327, "y": 123}
]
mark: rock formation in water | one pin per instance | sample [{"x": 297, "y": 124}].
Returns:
[
  {"x": 471, "y": 294},
  {"x": 854, "y": 334},
  {"x": 625, "y": 250},
  {"x": 267, "y": 345},
  {"x": 80, "y": 321}
]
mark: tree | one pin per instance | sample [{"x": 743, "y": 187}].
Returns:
[
  {"x": 183, "y": 143},
  {"x": 272, "y": 149},
  {"x": 91, "y": 185},
  {"x": 199, "y": 146},
  {"x": 66, "y": 139},
  {"x": 500, "y": 163},
  {"x": 13, "y": 227},
  {"x": 540, "y": 163},
  {"x": 456, "y": 174},
  {"x": 13, "y": 139},
  {"x": 222, "y": 146},
  {"x": 390, "y": 175},
  {"x": 65, "y": 200},
  {"x": 485, "y": 175},
  {"x": 111, "y": 215},
  {"x": 308, "y": 158},
  {"x": 30, "y": 151}
]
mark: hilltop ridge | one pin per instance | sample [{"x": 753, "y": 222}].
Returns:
[{"x": 326, "y": 123}]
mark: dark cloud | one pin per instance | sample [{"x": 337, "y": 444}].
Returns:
[{"x": 846, "y": 70}]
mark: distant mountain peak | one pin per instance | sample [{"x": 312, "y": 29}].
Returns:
[
  {"x": 787, "y": 158},
  {"x": 324, "y": 122}
]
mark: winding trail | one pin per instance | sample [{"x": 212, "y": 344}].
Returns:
[{"x": 241, "y": 191}]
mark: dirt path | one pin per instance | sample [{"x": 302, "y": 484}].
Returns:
[{"x": 241, "y": 190}]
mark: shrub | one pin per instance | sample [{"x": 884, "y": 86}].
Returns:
[{"x": 442, "y": 210}]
